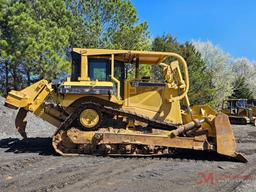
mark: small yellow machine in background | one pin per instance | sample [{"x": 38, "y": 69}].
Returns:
[
  {"x": 239, "y": 111},
  {"x": 100, "y": 110}
]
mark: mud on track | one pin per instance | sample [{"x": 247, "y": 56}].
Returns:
[{"x": 31, "y": 165}]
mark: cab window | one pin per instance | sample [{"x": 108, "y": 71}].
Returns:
[{"x": 99, "y": 69}]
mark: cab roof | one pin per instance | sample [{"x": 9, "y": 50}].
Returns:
[{"x": 144, "y": 57}]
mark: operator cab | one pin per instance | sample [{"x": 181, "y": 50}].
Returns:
[
  {"x": 99, "y": 69},
  {"x": 119, "y": 76}
]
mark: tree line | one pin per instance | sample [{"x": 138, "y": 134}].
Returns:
[{"x": 36, "y": 37}]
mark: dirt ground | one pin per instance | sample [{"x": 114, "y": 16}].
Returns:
[{"x": 31, "y": 165}]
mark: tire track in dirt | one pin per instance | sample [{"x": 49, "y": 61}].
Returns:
[
  {"x": 102, "y": 176},
  {"x": 88, "y": 174},
  {"x": 56, "y": 175},
  {"x": 150, "y": 175},
  {"x": 18, "y": 165},
  {"x": 98, "y": 175},
  {"x": 238, "y": 178}
]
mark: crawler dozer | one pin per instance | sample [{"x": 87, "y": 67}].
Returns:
[
  {"x": 99, "y": 110},
  {"x": 251, "y": 103},
  {"x": 239, "y": 111}
]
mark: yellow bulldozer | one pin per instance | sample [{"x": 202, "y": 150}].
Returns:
[
  {"x": 99, "y": 110},
  {"x": 240, "y": 111}
]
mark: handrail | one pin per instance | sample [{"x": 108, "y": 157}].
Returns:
[
  {"x": 113, "y": 76},
  {"x": 186, "y": 77}
]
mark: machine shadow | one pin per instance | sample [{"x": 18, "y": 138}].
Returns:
[
  {"x": 187, "y": 155},
  {"x": 201, "y": 156},
  {"x": 42, "y": 146}
]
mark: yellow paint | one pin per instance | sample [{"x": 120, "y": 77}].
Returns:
[
  {"x": 89, "y": 118},
  {"x": 113, "y": 75},
  {"x": 31, "y": 97},
  {"x": 84, "y": 69},
  {"x": 160, "y": 103},
  {"x": 89, "y": 83}
]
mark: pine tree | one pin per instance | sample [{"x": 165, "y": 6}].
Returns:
[
  {"x": 37, "y": 35},
  {"x": 107, "y": 24},
  {"x": 241, "y": 89}
]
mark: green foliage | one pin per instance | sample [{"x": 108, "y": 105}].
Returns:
[
  {"x": 165, "y": 43},
  {"x": 244, "y": 69},
  {"x": 200, "y": 82},
  {"x": 145, "y": 70},
  {"x": 107, "y": 24},
  {"x": 201, "y": 85},
  {"x": 219, "y": 70},
  {"x": 241, "y": 89},
  {"x": 36, "y": 35}
]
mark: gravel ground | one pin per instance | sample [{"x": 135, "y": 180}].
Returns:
[{"x": 31, "y": 165}]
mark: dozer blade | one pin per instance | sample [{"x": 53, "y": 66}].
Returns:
[
  {"x": 225, "y": 139},
  {"x": 20, "y": 123}
]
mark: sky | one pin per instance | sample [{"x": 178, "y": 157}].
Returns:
[{"x": 229, "y": 24}]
